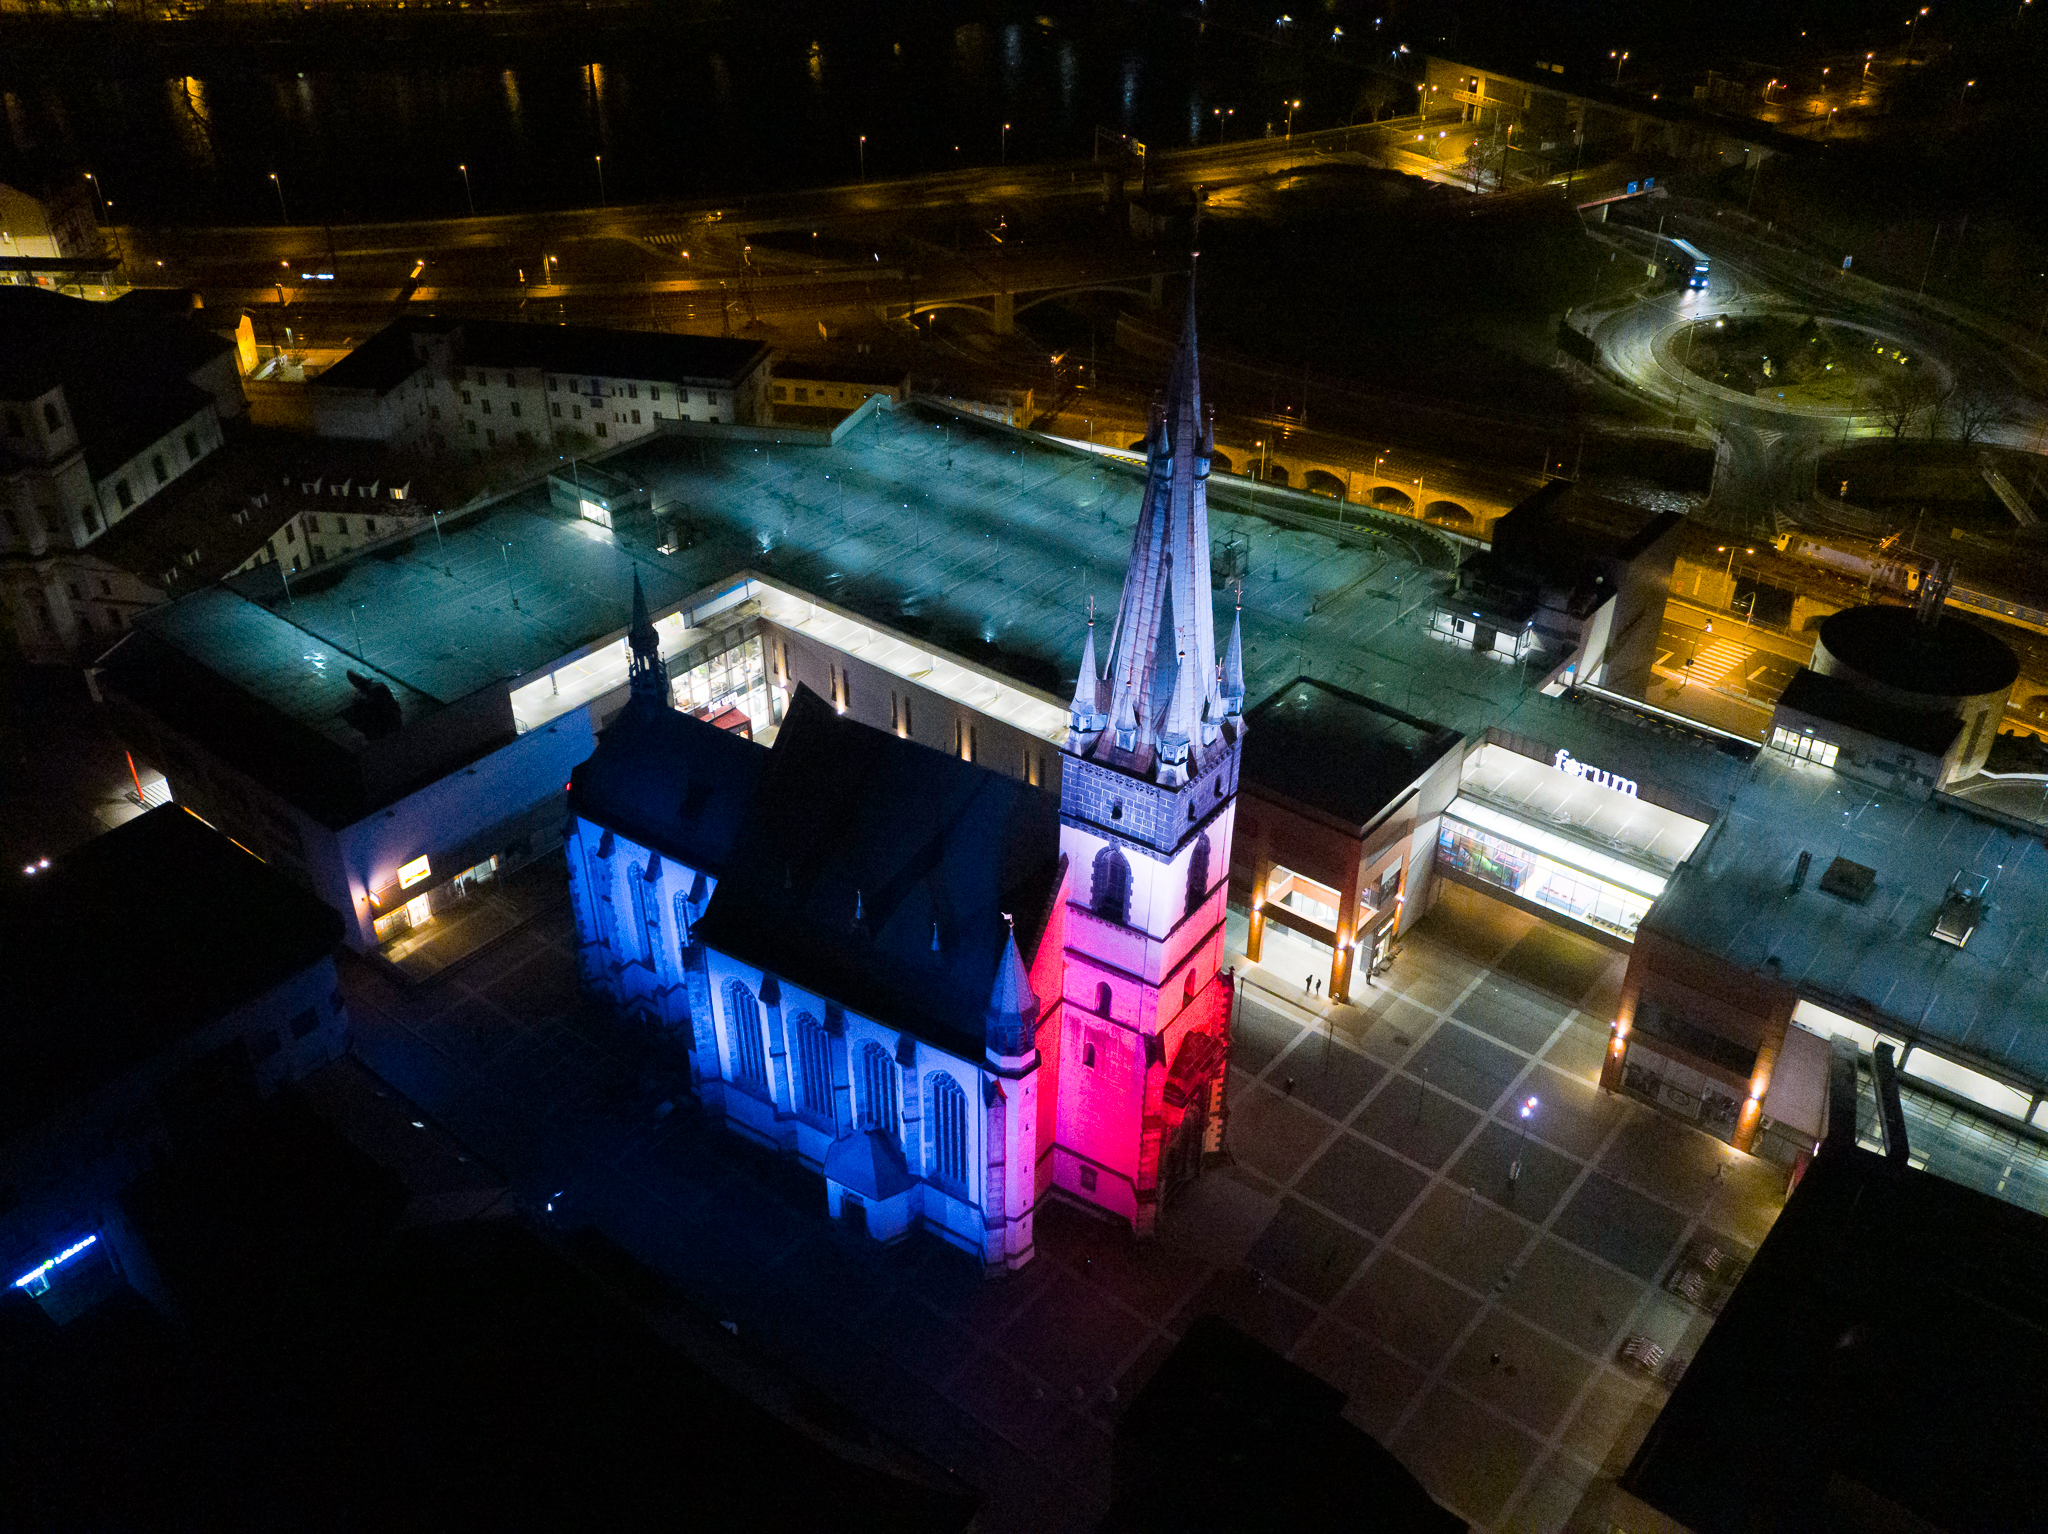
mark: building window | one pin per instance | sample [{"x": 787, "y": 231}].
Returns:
[
  {"x": 156, "y": 466},
  {"x": 511, "y": 382},
  {"x": 682, "y": 925},
  {"x": 949, "y": 1130},
  {"x": 1102, "y": 996},
  {"x": 636, "y": 418},
  {"x": 123, "y": 494},
  {"x": 51, "y": 418},
  {"x": 558, "y": 408},
  {"x": 877, "y": 1089},
  {"x": 814, "y": 1066},
  {"x": 554, "y": 386},
  {"x": 600, "y": 428},
  {"x": 490, "y": 438},
  {"x": 743, "y": 1017},
  {"x": 515, "y": 408},
  {"x": 1806, "y": 747},
  {"x": 1198, "y": 874},
  {"x": 654, "y": 391},
  {"x": 646, "y": 914},
  {"x": 633, "y": 392},
  {"x": 487, "y": 407},
  {"x": 1110, "y": 893},
  {"x": 465, "y": 397}
]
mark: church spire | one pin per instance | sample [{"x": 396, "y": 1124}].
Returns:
[
  {"x": 646, "y": 676},
  {"x": 1233, "y": 664},
  {"x": 1169, "y": 569},
  {"x": 1085, "y": 716},
  {"x": 1012, "y": 1005}
]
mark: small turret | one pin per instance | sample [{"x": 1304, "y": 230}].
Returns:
[
  {"x": 1085, "y": 716},
  {"x": 646, "y": 676},
  {"x": 1233, "y": 665},
  {"x": 1012, "y": 1020},
  {"x": 1179, "y": 732}
]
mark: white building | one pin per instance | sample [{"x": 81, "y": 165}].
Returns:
[
  {"x": 474, "y": 386},
  {"x": 102, "y": 407}
]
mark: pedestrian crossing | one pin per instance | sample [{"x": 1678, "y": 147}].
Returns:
[{"x": 1713, "y": 663}]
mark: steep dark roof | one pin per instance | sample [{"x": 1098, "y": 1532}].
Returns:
[
  {"x": 672, "y": 782},
  {"x": 921, "y": 838},
  {"x": 126, "y": 366},
  {"x": 1884, "y": 1351},
  {"x": 132, "y": 942},
  {"x": 1337, "y": 753},
  {"x": 388, "y": 358},
  {"x": 1841, "y": 701}
]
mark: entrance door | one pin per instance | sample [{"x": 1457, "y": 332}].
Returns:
[
  {"x": 1482, "y": 639},
  {"x": 1180, "y": 1160},
  {"x": 853, "y": 1214}
]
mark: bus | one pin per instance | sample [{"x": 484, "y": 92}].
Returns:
[{"x": 1688, "y": 261}]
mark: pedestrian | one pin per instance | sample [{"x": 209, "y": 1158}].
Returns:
[{"x": 1308, "y": 985}]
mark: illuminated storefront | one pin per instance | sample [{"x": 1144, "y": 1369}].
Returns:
[{"x": 1562, "y": 837}]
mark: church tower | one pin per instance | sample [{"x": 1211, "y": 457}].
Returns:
[
  {"x": 646, "y": 676},
  {"x": 1147, "y": 808}
]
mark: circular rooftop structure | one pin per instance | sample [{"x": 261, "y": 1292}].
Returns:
[{"x": 1944, "y": 659}]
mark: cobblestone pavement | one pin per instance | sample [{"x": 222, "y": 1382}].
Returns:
[{"x": 1366, "y": 1223}]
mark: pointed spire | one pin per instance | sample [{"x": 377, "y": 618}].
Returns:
[
  {"x": 1085, "y": 716},
  {"x": 1012, "y": 1004},
  {"x": 1179, "y": 730},
  {"x": 646, "y": 676},
  {"x": 1233, "y": 664},
  {"x": 1169, "y": 569}
]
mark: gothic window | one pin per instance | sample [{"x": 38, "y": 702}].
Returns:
[
  {"x": 949, "y": 1130},
  {"x": 814, "y": 1066},
  {"x": 601, "y": 913},
  {"x": 1111, "y": 892},
  {"x": 646, "y": 914},
  {"x": 1102, "y": 998},
  {"x": 1198, "y": 873},
  {"x": 743, "y": 1016},
  {"x": 877, "y": 1089},
  {"x": 1189, "y": 997}
]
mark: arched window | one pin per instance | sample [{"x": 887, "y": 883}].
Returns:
[
  {"x": 949, "y": 1130},
  {"x": 877, "y": 1089},
  {"x": 602, "y": 911},
  {"x": 814, "y": 1066},
  {"x": 1190, "y": 994},
  {"x": 1198, "y": 873},
  {"x": 743, "y": 1017},
  {"x": 1110, "y": 895},
  {"x": 646, "y": 914},
  {"x": 1102, "y": 998}
]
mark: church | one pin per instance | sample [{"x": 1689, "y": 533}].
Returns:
[{"x": 945, "y": 990}]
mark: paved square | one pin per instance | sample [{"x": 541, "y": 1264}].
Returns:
[
  {"x": 1486, "y": 1166},
  {"x": 1634, "y": 1233},
  {"x": 1392, "y": 1025},
  {"x": 1420, "y": 1122},
  {"x": 1258, "y": 1035},
  {"x": 1362, "y": 1183},
  {"x": 1466, "y": 1065},
  {"x": 1330, "y": 1077},
  {"x": 1270, "y": 1134},
  {"x": 1582, "y": 1301},
  {"x": 1460, "y": 1234},
  {"x": 1308, "y": 1251},
  {"x": 1509, "y": 1364},
  {"x": 1465, "y": 1453},
  {"x": 1401, "y": 1306},
  {"x": 1516, "y": 1015},
  {"x": 1559, "y": 962},
  {"x": 1571, "y": 1113}
]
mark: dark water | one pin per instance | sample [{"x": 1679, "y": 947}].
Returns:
[{"x": 761, "y": 100}]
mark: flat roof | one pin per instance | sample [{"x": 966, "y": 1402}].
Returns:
[
  {"x": 1841, "y": 700},
  {"x": 132, "y": 942},
  {"x": 1604, "y": 819},
  {"x": 1875, "y": 961},
  {"x": 1878, "y": 1366},
  {"x": 1333, "y": 751},
  {"x": 390, "y": 357}
]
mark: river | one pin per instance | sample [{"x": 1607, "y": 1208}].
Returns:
[{"x": 755, "y": 99}]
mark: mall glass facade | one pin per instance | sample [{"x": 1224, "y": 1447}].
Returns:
[{"x": 1532, "y": 875}]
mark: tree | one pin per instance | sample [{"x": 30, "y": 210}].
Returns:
[
  {"x": 1971, "y": 416},
  {"x": 1902, "y": 397}
]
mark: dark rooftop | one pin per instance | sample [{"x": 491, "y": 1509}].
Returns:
[
  {"x": 1878, "y": 1367},
  {"x": 673, "y": 782},
  {"x": 1336, "y": 753},
  {"x": 1948, "y": 658},
  {"x": 130, "y": 943},
  {"x": 1230, "y": 1435},
  {"x": 827, "y": 370},
  {"x": 848, "y": 815},
  {"x": 388, "y": 358},
  {"x": 1840, "y": 700}
]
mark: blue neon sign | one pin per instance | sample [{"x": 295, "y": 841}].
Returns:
[{"x": 37, "y": 1279}]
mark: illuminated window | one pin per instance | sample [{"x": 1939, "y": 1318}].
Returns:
[
  {"x": 813, "y": 1066},
  {"x": 1807, "y": 748},
  {"x": 949, "y": 1130},
  {"x": 877, "y": 1089},
  {"x": 743, "y": 1017}
]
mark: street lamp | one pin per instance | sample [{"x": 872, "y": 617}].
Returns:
[
  {"x": 105, "y": 205},
  {"x": 1006, "y": 143},
  {"x": 1619, "y": 60},
  {"x": 279, "y": 185},
  {"x": 1528, "y": 1112},
  {"x": 1292, "y": 108},
  {"x": 863, "y": 157},
  {"x": 466, "y": 192},
  {"x": 603, "y": 201}
]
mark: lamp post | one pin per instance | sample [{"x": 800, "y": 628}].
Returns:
[
  {"x": 102, "y": 196},
  {"x": 466, "y": 192},
  {"x": 1528, "y": 1112},
  {"x": 1292, "y": 108},
  {"x": 603, "y": 201},
  {"x": 279, "y": 186},
  {"x": 863, "y": 157},
  {"x": 1619, "y": 60},
  {"x": 1006, "y": 143}
]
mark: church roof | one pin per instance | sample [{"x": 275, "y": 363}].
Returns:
[
  {"x": 870, "y": 1162},
  {"x": 671, "y": 782},
  {"x": 933, "y": 850}
]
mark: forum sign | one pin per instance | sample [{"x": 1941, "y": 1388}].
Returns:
[{"x": 1564, "y": 762}]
